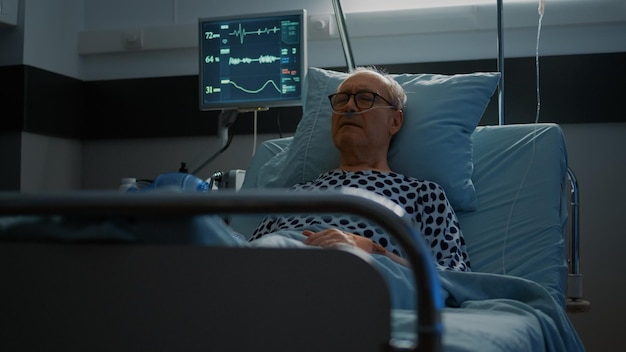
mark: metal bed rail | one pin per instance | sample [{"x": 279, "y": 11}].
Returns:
[
  {"x": 575, "y": 303},
  {"x": 357, "y": 202}
]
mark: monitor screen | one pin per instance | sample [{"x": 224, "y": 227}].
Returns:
[{"x": 252, "y": 61}]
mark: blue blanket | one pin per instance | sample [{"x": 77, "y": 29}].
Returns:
[
  {"x": 483, "y": 311},
  {"x": 496, "y": 312}
]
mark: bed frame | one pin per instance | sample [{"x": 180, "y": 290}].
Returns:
[
  {"x": 108, "y": 296},
  {"x": 102, "y": 294}
]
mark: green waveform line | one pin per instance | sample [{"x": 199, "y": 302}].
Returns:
[{"x": 258, "y": 90}]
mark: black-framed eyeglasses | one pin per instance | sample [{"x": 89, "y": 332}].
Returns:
[{"x": 362, "y": 100}]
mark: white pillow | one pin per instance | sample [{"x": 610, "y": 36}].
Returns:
[{"x": 434, "y": 143}]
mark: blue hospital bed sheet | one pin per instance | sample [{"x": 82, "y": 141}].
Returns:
[
  {"x": 491, "y": 312},
  {"x": 483, "y": 311},
  {"x": 520, "y": 175}
]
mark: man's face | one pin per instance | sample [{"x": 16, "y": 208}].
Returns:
[{"x": 371, "y": 129}]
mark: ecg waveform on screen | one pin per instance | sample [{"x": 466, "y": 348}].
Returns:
[
  {"x": 241, "y": 32},
  {"x": 263, "y": 59}
]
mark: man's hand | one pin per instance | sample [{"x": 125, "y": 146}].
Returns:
[{"x": 331, "y": 237}]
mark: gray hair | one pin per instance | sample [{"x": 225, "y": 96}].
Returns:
[{"x": 398, "y": 96}]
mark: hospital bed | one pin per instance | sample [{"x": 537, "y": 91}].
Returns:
[
  {"x": 168, "y": 270},
  {"x": 110, "y": 271}
]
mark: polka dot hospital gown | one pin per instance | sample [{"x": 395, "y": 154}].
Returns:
[{"x": 425, "y": 201}]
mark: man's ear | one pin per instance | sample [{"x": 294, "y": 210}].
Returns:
[{"x": 397, "y": 120}]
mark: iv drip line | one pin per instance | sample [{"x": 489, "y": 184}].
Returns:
[{"x": 540, "y": 10}]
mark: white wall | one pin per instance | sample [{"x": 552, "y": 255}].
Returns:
[
  {"x": 11, "y": 36},
  {"x": 48, "y": 40},
  {"x": 50, "y": 163},
  {"x": 55, "y": 30},
  {"x": 51, "y": 34},
  {"x": 382, "y": 35}
]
